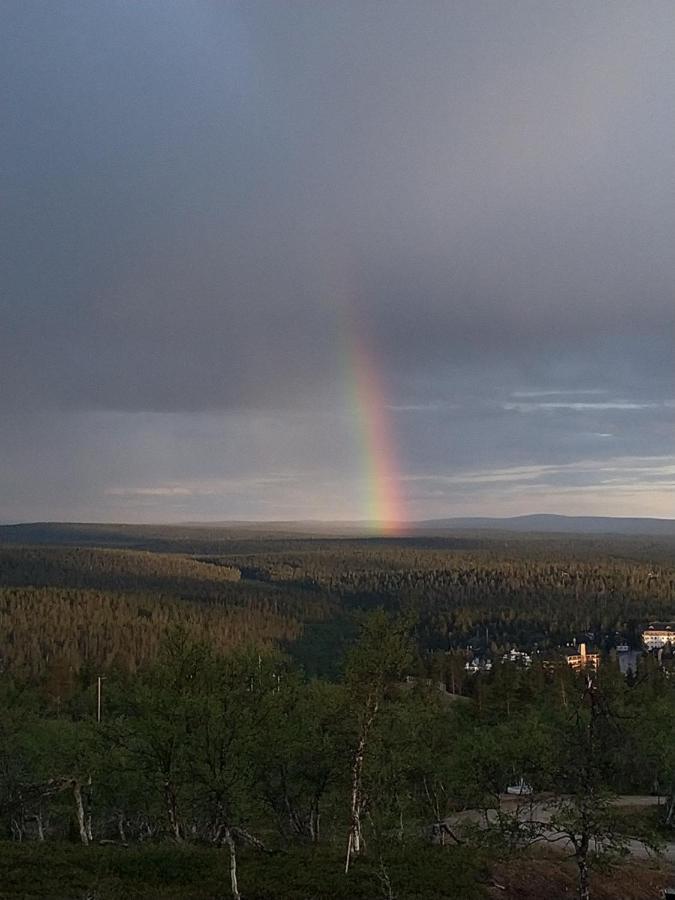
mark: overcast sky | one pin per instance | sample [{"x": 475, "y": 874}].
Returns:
[{"x": 204, "y": 204}]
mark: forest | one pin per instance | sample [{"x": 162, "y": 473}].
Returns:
[
  {"x": 274, "y": 716},
  {"x": 105, "y": 595}
]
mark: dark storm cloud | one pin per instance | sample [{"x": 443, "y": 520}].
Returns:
[{"x": 201, "y": 201}]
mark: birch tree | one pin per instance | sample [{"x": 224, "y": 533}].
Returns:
[
  {"x": 375, "y": 664},
  {"x": 155, "y": 731},
  {"x": 233, "y": 699},
  {"x": 302, "y": 759}
]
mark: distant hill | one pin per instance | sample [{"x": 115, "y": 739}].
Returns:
[
  {"x": 192, "y": 537},
  {"x": 541, "y": 522},
  {"x": 204, "y": 537}
]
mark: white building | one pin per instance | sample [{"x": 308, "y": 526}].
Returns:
[
  {"x": 519, "y": 657},
  {"x": 658, "y": 634},
  {"x": 478, "y": 665}
]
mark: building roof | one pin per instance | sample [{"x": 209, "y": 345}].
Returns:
[{"x": 576, "y": 651}]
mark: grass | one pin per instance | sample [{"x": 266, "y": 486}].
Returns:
[
  {"x": 60, "y": 871},
  {"x": 645, "y": 821},
  {"x": 546, "y": 875}
]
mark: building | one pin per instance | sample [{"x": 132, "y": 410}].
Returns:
[
  {"x": 476, "y": 665},
  {"x": 583, "y": 659},
  {"x": 519, "y": 657},
  {"x": 658, "y": 634}
]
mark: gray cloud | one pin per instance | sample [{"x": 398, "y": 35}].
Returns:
[{"x": 202, "y": 205}]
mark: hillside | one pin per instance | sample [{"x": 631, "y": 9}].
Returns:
[
  {"x": 545, "y": 523},
  {"x": 98, "y": 605}
]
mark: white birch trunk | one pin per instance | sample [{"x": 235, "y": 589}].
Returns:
[
  {"x": 79, "y": 810},
  {"x": 229, "y": 840},
  {"x": 120, "y": 827},
  {"x": 39, "y": 826},
  {"x": 89, "y": 806},
  {"x": 314, "y": 822},
  {"x": 171, "y": 809},
  {"x": 355, "y": 841}
]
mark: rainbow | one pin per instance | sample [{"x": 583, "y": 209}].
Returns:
[{"x": 383, "y": 504}]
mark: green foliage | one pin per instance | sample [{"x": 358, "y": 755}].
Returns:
[
  {"x": 166, "y": 872},
  {"x": 210, "y": 730},
  {"x": 67, "y": 609}
]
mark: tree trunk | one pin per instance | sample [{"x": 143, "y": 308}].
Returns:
[
  {"x": 88, "y": 794},
  {"x": 120, "y": 827},
  {"x": 297, "y": 825},
  {"x": 172, "y": 810},
  {"x": 385, "y": 881},
  {"x": 584, "y": 882},
  {"x": 229, "y": 840},
  {"x": 581, "y": 856},
  {"x": 355, "y": 842},
  {"x": 39, "y": 825},
  {"x": 314, "y": 818},
  {"x": 79, "y": 811},
  {"x": 670, "y": 813},
  {"x": 355, "y": 836},
  {"x": 433, "y": 802}
]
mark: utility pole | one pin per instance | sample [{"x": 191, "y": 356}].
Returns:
[{"x": 98, "y": 698}]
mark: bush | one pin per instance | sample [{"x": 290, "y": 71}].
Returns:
[{"x": 165, "y": 871}]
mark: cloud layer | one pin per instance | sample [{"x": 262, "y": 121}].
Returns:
[{"x": 205, "y": 205}]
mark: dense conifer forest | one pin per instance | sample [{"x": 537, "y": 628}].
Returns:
[
  {"x": 99, "y": 605},
  {"x": 202, "y": 713}
]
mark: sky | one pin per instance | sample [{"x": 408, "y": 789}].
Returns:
[{"x": 276, "y": 260}]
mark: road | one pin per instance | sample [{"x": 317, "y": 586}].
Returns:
[{"x": 539, "y": 810}]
